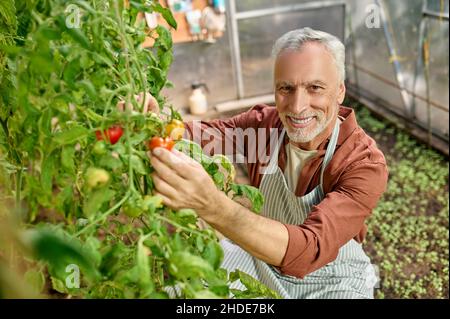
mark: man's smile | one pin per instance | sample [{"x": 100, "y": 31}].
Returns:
[{"x": 301, "y": 122}]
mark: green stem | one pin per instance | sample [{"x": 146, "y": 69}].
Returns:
[
  {"x": 10, "y": 142},
  {"x": 18, "y": 189},
  {"x": 104, "y": 215},
  {"x": 189, "y": 230}
]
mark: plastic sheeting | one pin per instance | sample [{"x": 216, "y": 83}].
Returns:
[{"x": 384, "y": 62}]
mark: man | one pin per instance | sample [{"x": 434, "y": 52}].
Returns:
[{"x": 328, "y": 178}]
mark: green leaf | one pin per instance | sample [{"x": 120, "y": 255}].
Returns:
[
  {"x": 96, "y": 199},
  {"x": 50, "y": 33},
  {"x": 58, "y": 285},
  {"x": 138, "y": 165},
  {"x": 166, "y": 13},
  {"x": 200, "y": 243},
  {"x": 213, "y": 253},
  {"x": 109, "y": 161},
  {"x": 113, "y": 258},
  {"x": 48, "y": 169},
  {"x": 96, "y": 118},
  {"x": 45, "y": 122},
  {"x": 67, "y": 158},
  {"x": 184, "y": 265},
  {"x": 165, "y": 60},
  {"x": 35, "y": 279},
  {"x": 252, "y": 193},
  {"x": 143, "y": 266},
  {"x": 92, "y": 248},
  {"x": 219, "y": 179},
  {"x": 89, "y": 88},
  {"x": 164, "y": 39},
  {"x": 71, "y": 136},
  {"x": 136, "y": 139},
  {"x": 76, "y": 34},
  {"x": 191, "y": 149},
  {"x": 71, "y": 70},
  {"x": 59, "y": 250},
  {"x": 254, "y": 287},
  {"x": 8, "y": 15}
]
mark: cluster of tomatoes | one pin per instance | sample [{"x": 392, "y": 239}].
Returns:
[
  {"x": 98, "y": 177},
  {"x": 174, "y": 131}
]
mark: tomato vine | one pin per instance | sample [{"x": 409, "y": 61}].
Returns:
[{"x": 56, "y": 143}]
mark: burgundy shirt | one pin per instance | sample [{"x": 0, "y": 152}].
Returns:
[{"x": 353, "y": 182}]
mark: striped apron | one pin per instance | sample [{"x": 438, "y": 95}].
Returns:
[{"x": 345, "y": 277}]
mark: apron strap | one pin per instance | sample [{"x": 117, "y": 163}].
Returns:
[
  {"x": 273, "y": 162},
  {"x": 330, "y": 149}
]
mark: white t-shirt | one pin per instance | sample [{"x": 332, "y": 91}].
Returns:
[{"x": 296, "y": 159}]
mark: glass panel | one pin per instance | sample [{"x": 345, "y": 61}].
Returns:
[
  {"x": 248, "y": 5},
  {"x": 369, "y": 54},
  {"x": 438, "y": 77},
  {"x": 438, "y": 6},
  {"x": 257, "y": 36},
  {"x": 202, "y": 62}
]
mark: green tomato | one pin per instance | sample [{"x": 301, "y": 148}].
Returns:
[
  {"x": 96, "y": 177},
  {"x": 132, "y": 208},
  {"x": 100, "y": 148}
]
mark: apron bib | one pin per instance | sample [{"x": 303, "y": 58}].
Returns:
[{"x": 344, "y": 278}]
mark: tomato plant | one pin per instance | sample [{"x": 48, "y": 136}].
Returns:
[{"x": 80, "y": 183}]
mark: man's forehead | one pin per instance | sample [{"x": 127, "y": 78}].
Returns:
[{"x": 313, "y": 63}]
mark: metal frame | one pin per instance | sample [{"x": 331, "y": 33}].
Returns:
[
  {"x": 407, "y": 99},
  {"x": 232, "y": 20},
  {"x": 435, "y": 15}
]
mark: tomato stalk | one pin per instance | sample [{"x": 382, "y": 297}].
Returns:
[
  {"x": 189, "y": 230},
  {"x": 104, "y": 215}
]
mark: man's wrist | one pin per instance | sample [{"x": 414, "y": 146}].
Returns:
[{"x": 216, "y": 211}]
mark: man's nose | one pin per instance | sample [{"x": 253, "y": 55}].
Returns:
[{"x": 300, "y": 101}]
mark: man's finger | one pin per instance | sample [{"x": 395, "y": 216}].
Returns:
[
  {"x": 185, "y": 158},
  {"x": 163, "y": 187},
  {"x": 166, "y": 172},
  {"x": 180, "y": 165}
]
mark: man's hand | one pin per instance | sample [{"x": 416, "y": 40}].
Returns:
[
  {"x": 182, "y": 182},
  {"x": 150, "y": 103}
]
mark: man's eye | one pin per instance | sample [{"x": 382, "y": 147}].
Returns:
[
  {"x": 315, "y": 88},
  {"x": 284, "y": 89}
]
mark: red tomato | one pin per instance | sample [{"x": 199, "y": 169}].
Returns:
[
  {"x": 113, "y": 134},
  {"x": 157, "y": 141}
]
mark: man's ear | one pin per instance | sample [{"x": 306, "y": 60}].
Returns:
[{"x": 341, "y": 93}]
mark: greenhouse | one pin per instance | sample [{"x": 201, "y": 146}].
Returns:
[{"x": 224, "y": 149}]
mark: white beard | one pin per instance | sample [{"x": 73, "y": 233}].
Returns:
[{"x": 304, "y": 135}]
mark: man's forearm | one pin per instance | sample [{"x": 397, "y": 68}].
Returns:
[{"x": 262, "y": 237}]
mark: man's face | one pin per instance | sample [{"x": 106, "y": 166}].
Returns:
[{"x": 308, "y": 92}]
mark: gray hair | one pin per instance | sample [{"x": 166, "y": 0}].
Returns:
[{"x": 294, "y": 40}]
